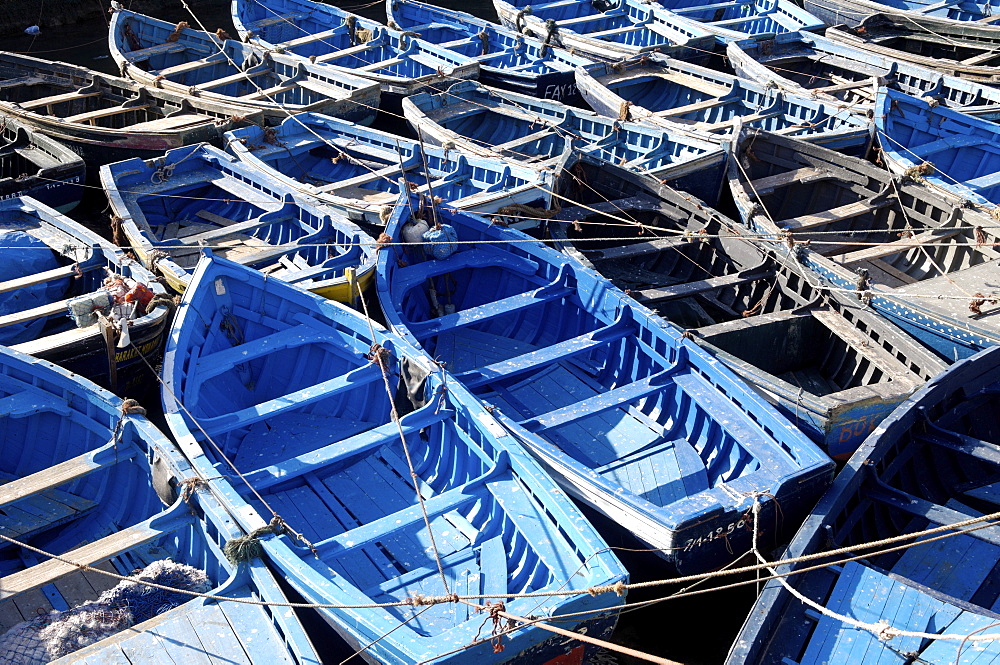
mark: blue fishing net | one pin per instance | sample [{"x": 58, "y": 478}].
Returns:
[
  {"x": 26, "y": 255},
  {"x": 56, "y": 634}
]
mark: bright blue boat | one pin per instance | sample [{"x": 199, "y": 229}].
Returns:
[
  {"x": 69, "y": 296},
  {"x": 932, "y": 463},
  {"x": 507, "y": 59},
  {"x": 400, "y": 62},
  {"x": 86, "y": 477},
  {"x": 740, "y": 20},
  {"x": 947, "y": 149},
  {"x": 684, "y": 97},
  {"x": 629, "y": 417},
  {"x": 300, "y": 395},
  {"x": 604, "y": 32},
  {"x": 196, "y": 196},
  {"x": 809, "y": 64},
  {"x": 921, "y": 257},
  {"x": 545, "y": 134},
  {"x": 196, "y": 63},
  {"x": 357, "y": 170}
]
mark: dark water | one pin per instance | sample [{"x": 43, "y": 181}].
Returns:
[{"x": 696, "y": 630}]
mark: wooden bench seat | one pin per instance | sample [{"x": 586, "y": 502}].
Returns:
[
  {"x": 103, "y": 113},
  {"x": 58, "y": 99}
]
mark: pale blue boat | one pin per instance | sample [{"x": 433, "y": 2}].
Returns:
[
  {"x": 947, "y": 149},
  {"x": 507, "y": 59},
  {"x": 357, "y": 170},
  {"x": 288, "y": 390},
  {"x": 629, "y": 417},
  {"x": 545, "y": 134},
  {"x": 195, "y": 63},
  {"x": 684, "y": 97},
  {"x": 608, "y": 32},
  {"x": 86, "y": 477},
  {"x": 400, "y": 62}
]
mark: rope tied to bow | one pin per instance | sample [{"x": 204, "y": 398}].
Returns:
[{"x": 247, "y": 548}]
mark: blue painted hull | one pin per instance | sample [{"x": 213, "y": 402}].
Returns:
[
  {"x": 200, "y": 196},
  {"x": 810, "y": 64},
  {"x": 932, "y": 462},
  {"x": 684, "y": 97},
  {"x": 87, "y": 481},
  {"x": 963, "y": 152},
  {"x": 401, "y": 63},
  {"x": 196, "y": 63},
  {"x": 545, "y": 134},
  {"x": 508, "y": 60},
  {"x": 357, "y": 170},
  {"x": 601, "y": 390},
  {"x": 281, "y": 385}
]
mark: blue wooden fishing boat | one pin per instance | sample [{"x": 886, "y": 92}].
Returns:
[
  {"x": 106, "y": 118},
  {"x": 33, "y": 164},
  {"x": 629, "y": 417},
  {"x": 507, "y": 59},
  {"x": 832, "y": 366},
  {"x": 357, "y": 170},
  {"x": 681, "y": 96},
  {"x": 84, "y": 476},
  {"x": 948, "y": 15},
  {"x": 605, "y": 32},
  {"x": 401, "y": 63},
  {"x": 918, "y": 255},
  {"x": 945, "y": 148},
  {"x": 739, "y": 20},
  {"x": 543, "y": 133},
  {"x": 200, "y": 64},
  {"x": 170, "y": 207},
  {"x": 56, "y": 276},
  {"x": 931, "y": 464},
  {"x": 967, "y": 49},
  {"x": 392, "y": 488},
  {"x": 809, "y": 64}
]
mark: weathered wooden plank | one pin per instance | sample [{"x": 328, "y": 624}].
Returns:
[
  {"x": 64, "y": 472},
  {"x": 640, "y": 249},
  {"x": 896, "y": 246},
  {"x": 99, "y": 550},
  {"x": 837, "y": 214},
  {"x": 171, "y": 122},
  {"x": 57, "y": 99},
  {"x": 26, "y": 315},
  {"x": 41, "y": 277},
  {"x": 806, "y": 174},
  {"x": 103, "y": 113},
  {"x": 191, "y": 65}
]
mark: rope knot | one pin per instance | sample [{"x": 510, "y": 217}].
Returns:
[
  {"x": 191, "y": 485},
  {"x": 130, "y": 407},
  {"x": 379, "y": 355},
  {"x": 884, "y": 631},
  {"x": 246, "y": 548}
]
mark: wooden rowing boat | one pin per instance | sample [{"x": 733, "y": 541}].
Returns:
[
  {"x": 392, "y": 488},
  {"x": 933, "y": 463},
  {"x": 169, "y": 208},
  {"x": 680, "y": 96},
  {"x": 941, "y": 16},
  {"x": 86, "y": 477},
  {"x": 200, "y": 64},
  {"x": 357, "y": 170},
  {"x": 946, "y": 149},
  {"x": 967, "y": 50},
  {"x": 923, "y": 258},
  {"x": 629, "y": 417},
  {"x": 603, "y": 32},
  {"x": 810, "y": 64},
  {"x": 833, "y": 367},
  {"x": 56, "y": 276},
  {"x": 744, "y": 20},
  {"x": 400, "y": 62},
  {"x": 507, "y": 59},
  {"x": 105, "y": 118},
  {"x": 33, "y": 164},
  {"x": 544, "y": 134}
]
